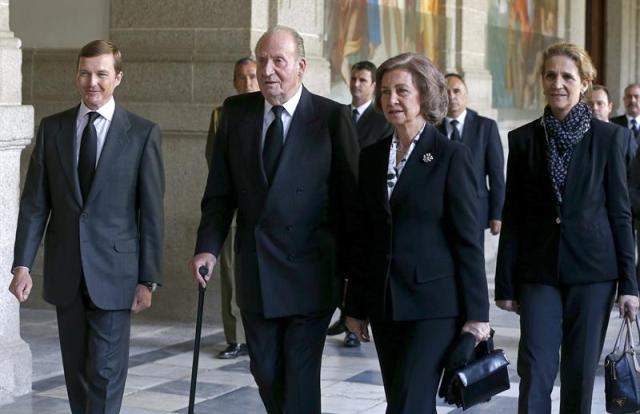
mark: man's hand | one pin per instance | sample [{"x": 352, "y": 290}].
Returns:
[
  {"x": 508, "y": 305},
  {"x": 202, "y": 259},
  {"x": 142, "y": 299},
  {"x": 358, "y": 327},
  {"x": 628, "y": 306},
  {"x": 495, "y": 226},
  {"x": 480, "y": 330},
  {"x": 21, "y": 283}
]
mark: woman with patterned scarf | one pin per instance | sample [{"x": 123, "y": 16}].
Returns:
[{"x": 566, "y": 247}]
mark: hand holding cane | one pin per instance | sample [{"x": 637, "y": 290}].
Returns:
[{"x": 203, "y": 270}]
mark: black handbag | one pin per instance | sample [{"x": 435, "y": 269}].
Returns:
[
  {"x": 474, "y": 375},
  {"x": 622, "y": 373}
]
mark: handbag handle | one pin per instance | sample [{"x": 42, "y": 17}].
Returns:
[{"x": 616, "y": 344}]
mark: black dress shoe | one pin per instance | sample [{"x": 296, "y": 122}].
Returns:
[
  {"x": 233, "y": 351},
  {"x": 337, "y": 328},
  {"x": 351, "y": 340}
]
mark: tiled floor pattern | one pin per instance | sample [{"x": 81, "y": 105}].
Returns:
[{"x": 160, "y": 369}]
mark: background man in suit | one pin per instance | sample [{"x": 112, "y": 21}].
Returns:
[
  {"x": 245, "y": 80},
  {"x": 370, "y": 124},
  {"x": 601, "y": 106},
  {"x": 631, "y": 118},
  {"x": 96, "y": 182},
  {"x": 481, "y": 135},
  {"x": 287, "y": 160},
  {"x": 371, "y": 127}
]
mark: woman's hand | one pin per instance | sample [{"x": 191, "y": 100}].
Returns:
[
  {"x": 480, "y": 330},
  {"x": 359, "y": 327},
  {"x": 628, "y": 306},
  {"x": 508, "y": 305}
]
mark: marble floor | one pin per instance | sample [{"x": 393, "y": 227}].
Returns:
[{"x": 160, "y": 369}]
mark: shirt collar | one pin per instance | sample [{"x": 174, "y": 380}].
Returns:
[
  {"x": 415, "y": 139},
  {"x": 362, "y": 107},
  {"x": 460, "y": 118},
  {"x": 289, "y": 106},
  {"x": 629, "y": 118},
  {"x": 106, "y": 111}
]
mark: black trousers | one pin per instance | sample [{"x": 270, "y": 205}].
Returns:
[
  {"x": 411, "y": 355},
  {"x": 286, "y": 355},
  {"x": 95, "y": 354},
  {"x": 572, "y": 319}
]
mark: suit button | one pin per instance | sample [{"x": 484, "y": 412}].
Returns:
[
  {"x": 289, "y": 228},
  {"x": 84, "y": 216},
  {"x": 299, "y": 190},
  {"x": 558, "y": 221},
  {"x": 291, "y": 257}
]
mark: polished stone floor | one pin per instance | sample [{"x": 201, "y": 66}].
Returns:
[{"x": 160, "y": 369}]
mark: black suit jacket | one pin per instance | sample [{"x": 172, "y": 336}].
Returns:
[
  {"x": 420, "y": 248},
  {"x": 588, "y": 239},
  {"x": 630, "y": 145},
  {"x": 115, "y": 237},
  {"x": 481, "y": 135},
  {"x": 372, "y": 127},
  {"x": 291, "y": 245}
]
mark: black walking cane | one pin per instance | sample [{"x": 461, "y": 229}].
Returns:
[{"x": 203, "y": 270}]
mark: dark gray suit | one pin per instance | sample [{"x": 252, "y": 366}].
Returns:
[
  {"x": 291, "y": 245},
  {"x": 481, "y": 135},
  {"x": 96, "y": 251}
]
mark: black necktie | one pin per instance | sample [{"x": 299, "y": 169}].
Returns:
[
  {"x": 634, "y": 128},
  {"x": 455, "y": 134},
  {"x": 273, "y": 142},
  {"x": 355, "y": 115},
  {"x": 88, "y": 155}
]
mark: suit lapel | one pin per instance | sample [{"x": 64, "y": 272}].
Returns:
[
  {"x": 469, "y": 127},
  {"x": 380, "y": 164},
  {"x": 416, "y": 166},
  {"x": 116, "y": 140},
  {"x": 301, "y": 131},
  {"x": 66, "y": 143},
  {"x": 580, "y": 159},
  {"x": 250, "y": 129}
]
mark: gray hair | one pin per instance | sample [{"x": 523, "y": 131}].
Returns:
[{"x": 299, "y": 42}]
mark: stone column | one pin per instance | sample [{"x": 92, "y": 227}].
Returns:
[
  {"x": 466, "y": 50},
  {"x": 622, "y": 48},
  {"x": 16, "y": 130}
]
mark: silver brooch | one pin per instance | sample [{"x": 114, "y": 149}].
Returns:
[{"x": 427, "y": 158}]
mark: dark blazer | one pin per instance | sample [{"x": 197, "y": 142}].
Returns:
[
  {"x": 372, "y": 127},
  {"x": 116, "y": 237},
  {"x": 588, "y": 239},
  {"x": 630, "y": 146},
  {"x": 420, "y": 248},
  {"x": 291, "y": 241},
  {"x": 481, "y": 135}
]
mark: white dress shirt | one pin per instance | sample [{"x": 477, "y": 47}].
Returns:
[
  {"x": 102, "y": 124},
  {"x": 460, "y": 125},
  {"x": 289, "y": 109},
  {"x": 360, "y": 109}
]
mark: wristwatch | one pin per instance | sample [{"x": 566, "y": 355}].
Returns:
[{"x": 149, "y": 285}]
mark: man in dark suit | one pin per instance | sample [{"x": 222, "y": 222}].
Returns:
[
  {"x": 371, "y": 127},
  {"x": 245, "y": 80},
  {"x": 631, "y": 118},
  {"x": 370, "y": 124},
  {"x": 96, "y": 182},
  {"x": 481, "y": 135},
  {"x": 287, "y": 160},
  {"x": 601, "y": 106}
]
